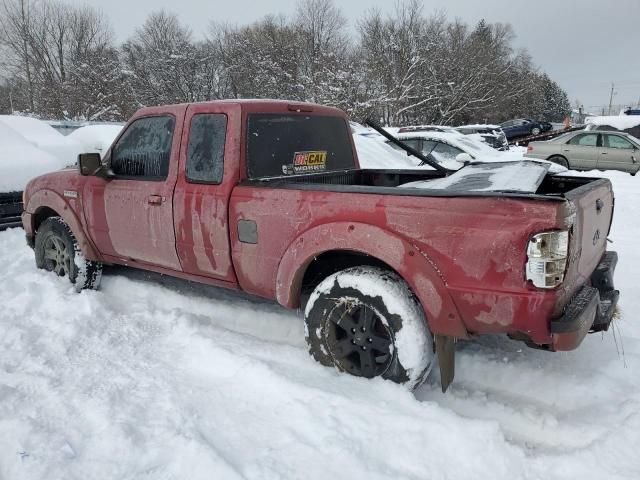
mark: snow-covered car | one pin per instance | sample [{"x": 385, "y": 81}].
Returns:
[
  {"x": 624, "y": 123},
  {"x": 373, "y": 152},
  {"x": 45, "y": 137},
  {"x": 453, "y": 150},
  {"x": 20, "y": 161},
  {"x": 492, "y": 135},
  {"x": 96, "y": 138},
  {"x": 425, "y": 128}
]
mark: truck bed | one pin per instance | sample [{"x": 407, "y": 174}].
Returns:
[{"x": 385, "y": 182}]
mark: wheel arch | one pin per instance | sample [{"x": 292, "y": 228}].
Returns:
[
  {"x": 325, "y": 249},
  {"x": 44, "y": 204}
]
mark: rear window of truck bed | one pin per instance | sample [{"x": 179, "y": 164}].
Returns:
[{"x": 280, "y": 145}]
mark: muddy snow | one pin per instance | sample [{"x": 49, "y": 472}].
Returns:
[{"x": 154, "y": 378}]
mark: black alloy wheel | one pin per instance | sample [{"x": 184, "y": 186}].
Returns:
[{"x": 359, "y": 340}]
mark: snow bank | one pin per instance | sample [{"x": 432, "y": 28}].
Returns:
[
  {"x": 96, "y": 138},
  {"x": 167, "y": 380},
  {"x": 20, "y": 161},
  {"x": 45, "y": 137}
]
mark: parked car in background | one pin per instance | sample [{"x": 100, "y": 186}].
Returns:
[
  {"x": 426, "y": 128},
  {"x": 624, "y": 123},
  {"x": 523, "y": 127},
  {"x": 45, "y": 137},
  {"x": 20, "y": 161},
  {"x": 96, "y": 138},
  {"x": 589, "y": 150},
  {"x": 373, "y": 151},
  {"x": 492, "y": 135},
  {"x": 453, "y": 150}
]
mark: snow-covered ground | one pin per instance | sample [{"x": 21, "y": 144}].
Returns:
[{"x": 158, "y": 379}]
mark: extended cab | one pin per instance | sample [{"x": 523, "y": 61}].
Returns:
[{"x": 267, "y": 197}]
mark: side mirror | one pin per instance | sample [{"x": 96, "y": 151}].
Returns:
[
  {"x": 464, "y": 157},
  {"x": 90, "y": 164}
]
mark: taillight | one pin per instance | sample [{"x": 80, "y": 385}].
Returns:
[
  {"x": 529, "y": 148},
  {"x": 547, "y": 258}
]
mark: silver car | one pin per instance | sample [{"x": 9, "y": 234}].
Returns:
[{"x": 589, "y": 150}]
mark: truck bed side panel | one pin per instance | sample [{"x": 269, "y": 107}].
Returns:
[{"x": 463, "y": 238}]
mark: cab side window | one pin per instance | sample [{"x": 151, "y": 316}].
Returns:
[
  {"x": 205, "y": 153},
  {"x": 143, "y": 152},
  {"x": 585, "y": 140}
]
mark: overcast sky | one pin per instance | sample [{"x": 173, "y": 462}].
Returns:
[{"x": 584, "y": 45}]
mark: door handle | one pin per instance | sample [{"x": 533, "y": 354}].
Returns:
[
  {"x": 566, "y": 150},
  {"x": 154, "y": 199},
  {"x": 603, "y": 153}
]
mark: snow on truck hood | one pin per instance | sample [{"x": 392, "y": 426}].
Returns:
[{"x": 520, "y": 177}]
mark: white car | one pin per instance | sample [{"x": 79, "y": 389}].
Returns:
[
  {"x": 374, "y": 153},
  {"x": 96, "y": 138},
  {"x": 43, "y": 136},
  {"x": 453, "y": 149}
]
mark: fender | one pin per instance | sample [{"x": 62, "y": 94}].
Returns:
[
  {"x": 413, "y": 265},
  {"x": 52, "y": 200}
]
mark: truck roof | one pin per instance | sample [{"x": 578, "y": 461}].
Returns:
[{"x": 257, "y": 105}]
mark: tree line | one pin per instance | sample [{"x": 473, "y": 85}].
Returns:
[{"x": 62, "y": 61}]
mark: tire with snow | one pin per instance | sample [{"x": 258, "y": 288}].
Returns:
[
  {"x": 366, "y": 321},
  {"x": 57, "y": 250},
  {"x": 559, "y": 160}
]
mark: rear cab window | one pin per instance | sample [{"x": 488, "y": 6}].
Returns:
[{"x": 284, "y": 144}]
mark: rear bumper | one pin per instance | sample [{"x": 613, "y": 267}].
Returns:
[{"x": 590, "y": 310}]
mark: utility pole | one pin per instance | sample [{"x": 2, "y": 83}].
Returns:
[{"x": 611, "y": 97}]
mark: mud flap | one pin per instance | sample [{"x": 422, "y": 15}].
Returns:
[{"x": 446, "y": 349}]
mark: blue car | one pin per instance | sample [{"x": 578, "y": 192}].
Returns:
[{"x": 523, "y": 127}]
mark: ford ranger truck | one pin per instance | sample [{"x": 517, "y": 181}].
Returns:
[{"x": 267, "y": 197}]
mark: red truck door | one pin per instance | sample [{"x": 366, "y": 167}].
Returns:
[
  {"x": 130, "y": 216},
  {"x": 209, "y": 170}
]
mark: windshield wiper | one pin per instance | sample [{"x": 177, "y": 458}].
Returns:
[{"x": 410, "y": 150}]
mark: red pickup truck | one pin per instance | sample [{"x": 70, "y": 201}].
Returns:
[{"x": 267, "y": 197}]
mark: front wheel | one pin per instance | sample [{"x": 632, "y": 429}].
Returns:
[
  {"x": 57, "y": 250},
  {"x": 365, "y": 321},
  {"x": 535, "y": 131}
]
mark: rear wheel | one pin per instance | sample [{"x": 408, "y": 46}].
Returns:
[
  {"x": 57, "y": 250},
  {"x": 559, "y": 160},
  {"x": 365, "y": 321}
]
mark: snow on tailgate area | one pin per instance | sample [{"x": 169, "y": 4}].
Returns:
[{"x": 158, "y": 379}]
